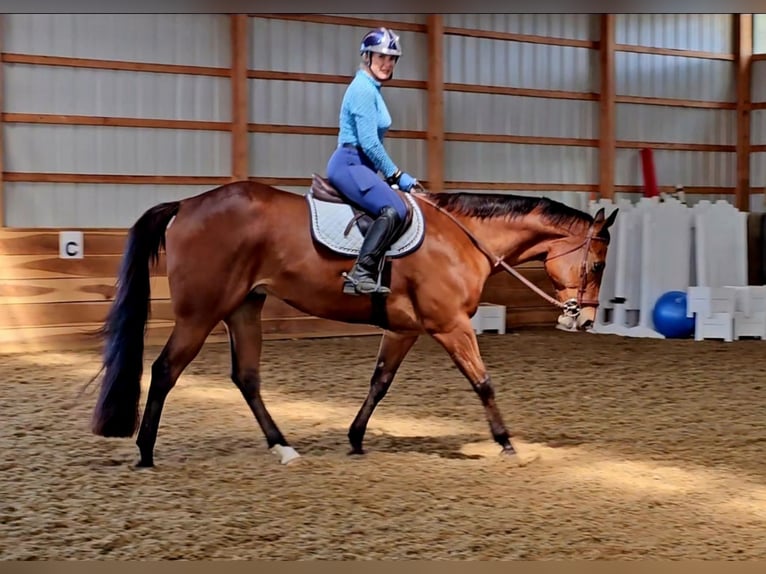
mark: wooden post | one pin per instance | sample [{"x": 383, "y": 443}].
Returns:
[
  {"x": 606, "y": 148},
  {"x": 239, "y": 95},
  {"x": 2, "y": 130},
  {"x": 743, "y": 52},
  {"x": 435, "y": 132}
]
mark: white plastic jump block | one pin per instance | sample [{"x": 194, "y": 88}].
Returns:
[
  {"x": 730, "y": 312},
  {"x": 489, "y": 317},
  {"x": 749, "y": 311},
  {"x": 713, "y": 312},
  {"x": 753, "y": 325}
]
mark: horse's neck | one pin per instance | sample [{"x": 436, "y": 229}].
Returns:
[{"x": 517, "y": 240}]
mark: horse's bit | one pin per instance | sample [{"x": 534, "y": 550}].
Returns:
[{"x": 571, "y": 307}]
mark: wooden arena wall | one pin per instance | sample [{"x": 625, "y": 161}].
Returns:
[
  {"x": 105, "y": 115},
  {"x": 48, "y": 302}
]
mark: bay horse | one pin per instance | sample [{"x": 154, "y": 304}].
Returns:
[{"x": 230, "y": 247}]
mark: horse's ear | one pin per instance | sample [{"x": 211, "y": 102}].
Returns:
[
  {"x": 599, "y": 217},
  {"x": 610, "y": 220}
]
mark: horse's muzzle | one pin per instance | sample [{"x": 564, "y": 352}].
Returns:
[{"x": 582, "y": 321}]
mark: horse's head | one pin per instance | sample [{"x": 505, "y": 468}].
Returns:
[{"x": 575, "y": 264}]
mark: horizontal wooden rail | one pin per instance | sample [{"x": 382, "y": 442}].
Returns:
[
  {"x": 512, "y": 91},
  {"x": 673, "y": 52},
  {"x": 306, "y": 181},
  {"x": 680, "y": 146},
  {"x": 57, "y": 119},
  {"x": 421, "y": 85},
  {"x": 323, "y": 131},
  {"x": 517, "y": 37},
  {"x": 494, "y": 90},
  {"x": 98, "y": 64},
  {"x": 80, "y": 120},
  {"x": 31, "y": 177},
  {"x": 518, "y": 186},
  {"x": 498, "y": 35},
  {"x": 325, "y": 78},
  {"x": 519, "y": 139},
  {"x": 449, "y": 185},
  {"x": 499, "y": 138},
  {"x": 675, "y": 102},
  {"x": 54, "y": 119}
]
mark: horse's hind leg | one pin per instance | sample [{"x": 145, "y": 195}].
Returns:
[
  {"x": 183, "y": 345},
  {"x": 463, "y": 348},
  {"x": 393, "y": 348},
  {"x": 245, "y": 341}
]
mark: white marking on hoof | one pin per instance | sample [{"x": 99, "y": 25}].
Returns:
[{"x": 286, "y": 454}]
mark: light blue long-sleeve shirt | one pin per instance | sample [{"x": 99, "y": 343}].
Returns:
[{"x": 364, "y": 120}]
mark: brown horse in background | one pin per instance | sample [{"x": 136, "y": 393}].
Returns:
[{"x": 227, "y": 249}]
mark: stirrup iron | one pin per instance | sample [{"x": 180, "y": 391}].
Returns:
[{"x": 351, "y": 284}]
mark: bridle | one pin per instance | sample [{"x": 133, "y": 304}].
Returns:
[
  {"x": 579, "y": 301},
  {"x": 571, "y": 307}
]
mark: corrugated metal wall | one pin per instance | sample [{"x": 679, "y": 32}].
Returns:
[
  {"x": 332, "y": 50},
  {"x": 701, "y": 32},
  {"x": 682, "y": 77},
  {"x": 190, "y": 39},
  {"x": 30, "y": 89},
  {"x": 183, "y": 39},
  {"x": 510, "y": 63},
  {"x": 571, "y": 26},
  {"x": 329, "y": 49},
  {"x": 759, "y": 33}
]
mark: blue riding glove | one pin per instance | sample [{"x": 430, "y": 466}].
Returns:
[
  {"x": 407, "y": 182},
  {"x": 404, "y": 181}
]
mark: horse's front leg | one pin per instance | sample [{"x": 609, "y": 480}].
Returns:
[{"x": 461, "y": 344}]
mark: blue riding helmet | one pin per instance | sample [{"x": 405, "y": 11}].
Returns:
[{"x": 381, "y": 41}]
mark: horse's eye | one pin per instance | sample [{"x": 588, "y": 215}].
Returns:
[{"x": 598, "y": 266}]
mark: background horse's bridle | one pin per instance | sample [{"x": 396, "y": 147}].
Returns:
[{"x": 571, "y": 307}]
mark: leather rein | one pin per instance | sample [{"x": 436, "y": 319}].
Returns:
[{"x": 570, "y": 307}]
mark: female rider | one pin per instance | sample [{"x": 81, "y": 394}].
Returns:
[{"x": 354, "y": 165}]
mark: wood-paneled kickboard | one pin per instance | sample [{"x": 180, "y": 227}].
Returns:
[{"x": 48, "y": 302}]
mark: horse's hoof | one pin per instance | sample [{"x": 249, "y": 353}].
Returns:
[
  {"x": 286, "y": 454},
  {"x": 145, "y": 464},
  {"x": 356, "y": 451}
]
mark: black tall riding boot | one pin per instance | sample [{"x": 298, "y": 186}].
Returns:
[{"x": 363, "y": 278}]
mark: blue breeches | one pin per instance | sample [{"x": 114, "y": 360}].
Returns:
[{"x": 354, "y": 176}]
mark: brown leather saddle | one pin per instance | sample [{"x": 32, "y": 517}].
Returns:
[{"x": 323, "y": 190}]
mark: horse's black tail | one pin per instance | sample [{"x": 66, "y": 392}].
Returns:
[{"x": 116, "y": 411}]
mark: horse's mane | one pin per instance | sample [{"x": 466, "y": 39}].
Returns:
[{"x": 489, "y": 205}]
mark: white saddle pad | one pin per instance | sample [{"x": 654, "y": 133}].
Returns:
[{"x": 329, "y": 222}]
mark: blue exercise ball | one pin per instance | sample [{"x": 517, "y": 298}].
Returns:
[{"x": 669, "y": 316}]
